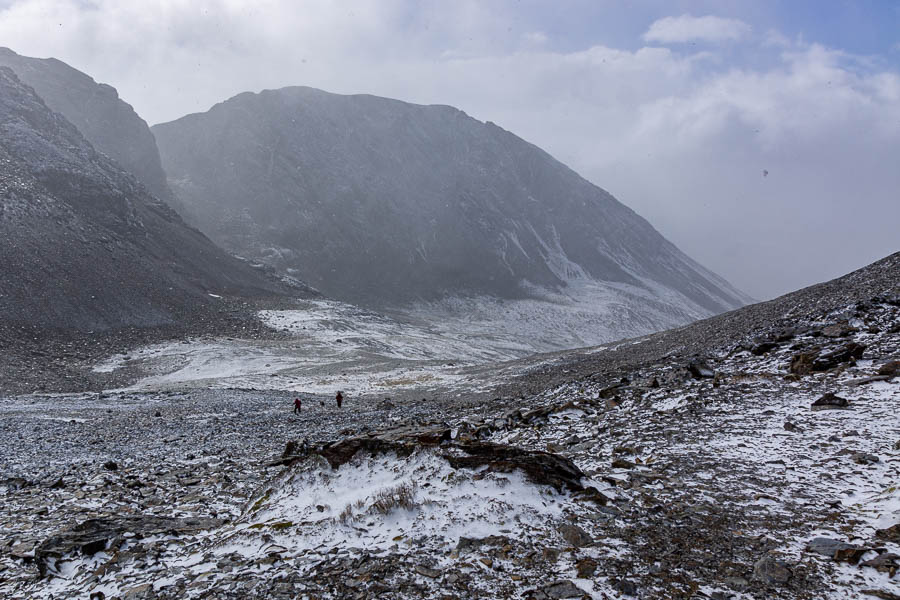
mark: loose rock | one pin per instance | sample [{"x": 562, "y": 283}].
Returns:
[
  {"x": 829, "y": 401},
  {"x": 770, "y": 571},
  {"x": 576, "y": 536}
]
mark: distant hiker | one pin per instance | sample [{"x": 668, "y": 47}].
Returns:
[
  {"x": 297, "y": 406},
  {"x": 339, "y": 399}
]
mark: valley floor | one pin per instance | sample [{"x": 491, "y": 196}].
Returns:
[{"x": 643, "y": 471}]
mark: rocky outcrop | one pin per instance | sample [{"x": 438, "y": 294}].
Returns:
[
  {"x": 541, "y": 468},
  {"x": 830, "y": 400},
  {"x": 97, "y": 535}
]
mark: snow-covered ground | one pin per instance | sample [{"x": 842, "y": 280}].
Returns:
[
  {"x": 584, "y": 313},
  {"x": 750, "y": 462},
  {"x": 331, "y": 345},
  {"x": 716, "y": 476},
  {"x": 338, "y": 507}
]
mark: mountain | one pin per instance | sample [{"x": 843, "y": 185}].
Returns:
[
  {"x": 386, "y": 203},
  {"x": 108, "y": 123},
  {"x": 85, "y": 246}
]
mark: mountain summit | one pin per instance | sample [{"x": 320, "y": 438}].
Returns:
[{"x": 382, "y": 202}]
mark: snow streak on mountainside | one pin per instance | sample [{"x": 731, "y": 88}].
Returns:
[
  {"x": 84, "y": 246},
  {"x": 387, "y": 203}
]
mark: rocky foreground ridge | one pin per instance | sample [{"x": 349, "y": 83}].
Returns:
[{"x": 759, "y": 468}]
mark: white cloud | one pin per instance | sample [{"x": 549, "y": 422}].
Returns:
[
  {"x": 776, "y": 39},
  {"x": 680, "y": 137},
  {"x": 535, "y": 38},
  {"x": 688, "y": 28}
]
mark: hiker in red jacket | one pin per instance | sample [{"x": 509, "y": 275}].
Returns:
[
  {"x": 297, "y": 406},
  {"x": 339, "y": 398}
]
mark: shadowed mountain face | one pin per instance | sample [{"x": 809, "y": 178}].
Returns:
[
  {"x": 383, "y": 202},
  {"x": 84, "y": 246},
  {"x": 107, "y": 122}
]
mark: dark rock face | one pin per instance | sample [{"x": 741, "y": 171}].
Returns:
[
  {"x": 700, "y": 370},
  {"x": 85, "y": 246},
  {"x": 105, "y": 120},
  {"x": 559, "y": 589},
  {"x": 802, "y": 363},
  {"x": 890, "y": 368},
  {"x": 805, "y": 363},
  {"x": 467, "y": 544},
  {"x": 763, "y": 348},
  {"x": 887, "y": 562},
  {"x": 891, "y": 533},
  {"x": 575, "y": 536},
  {"x": 586, "y": 567},
  {"x": 543, "y": 468},
  {"x": 847, "y": 353},
  {"x": 864, "y": 458},
  {"x": 379, "y": 201}
]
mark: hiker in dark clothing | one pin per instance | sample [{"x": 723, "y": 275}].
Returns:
[
  {"x": 339, "y": 398},
  {"x": 297, "y": 406}
]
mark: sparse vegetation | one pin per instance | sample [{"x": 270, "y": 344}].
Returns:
[
  {"x": 259, "y": 503},
  {"x": 405, "y": 381},
  {"x": 277, "y": 526},
  {"x": 383, "y": 502},
  {"x": 401, "y": 496}
]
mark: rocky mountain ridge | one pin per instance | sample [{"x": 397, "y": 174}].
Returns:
[
  {"x": 86, "y": 246},
  {"x": 385, "y": 203},
  {"x": 104, "y": 119}
]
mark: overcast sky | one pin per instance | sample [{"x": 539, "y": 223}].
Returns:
[{"x": 763, "y": 138}]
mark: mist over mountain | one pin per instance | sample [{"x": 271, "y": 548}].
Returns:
[
  {"x": 105, "y": 120},
  {"x": 382, "y": 202},
  {"x": 84, "y": 245},
  {"x": 505, "y": 383}
]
